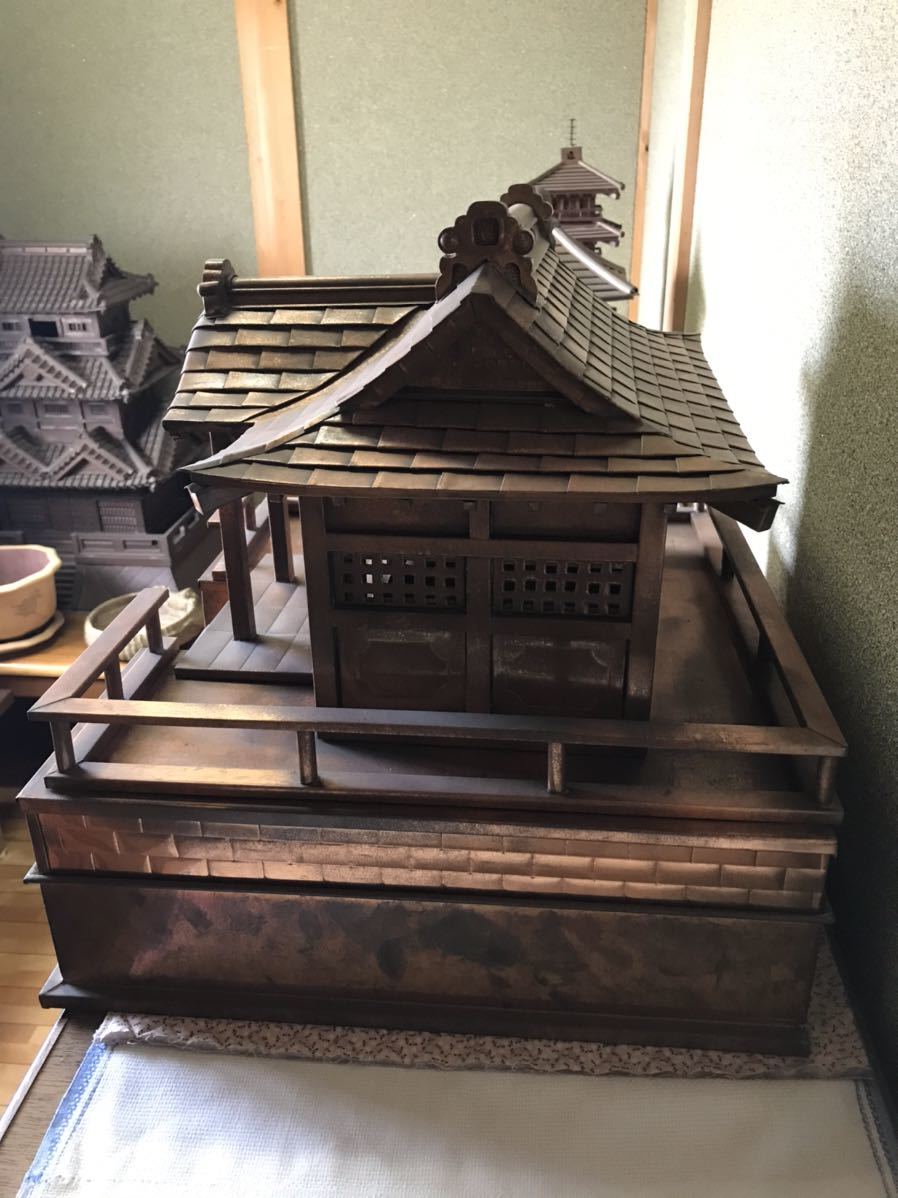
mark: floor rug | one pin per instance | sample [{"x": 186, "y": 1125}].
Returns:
[
  {"x": 836, "y": 1047},
  {"x": 141, "y": 1121}
]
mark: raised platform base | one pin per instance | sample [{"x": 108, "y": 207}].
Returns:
[{"x": 494, "y": 965}]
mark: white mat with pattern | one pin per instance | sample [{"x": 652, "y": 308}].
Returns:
[{"x": 140, "y": 1122}]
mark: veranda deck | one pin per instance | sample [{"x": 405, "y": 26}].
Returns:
[{"x": 281, "y": 652}]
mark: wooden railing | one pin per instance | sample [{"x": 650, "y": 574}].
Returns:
[{"x": 814, "y": 734}]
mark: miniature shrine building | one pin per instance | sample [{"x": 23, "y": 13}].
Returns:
[
  {"x": 483, "y": 480},
  {"x": 85, "y": 465},
  {"x": 517, "y": 745}
]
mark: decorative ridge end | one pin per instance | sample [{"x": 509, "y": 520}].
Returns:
[
  {"x": 487, "y": 232},
  {"x": 215, "y": 288},
  {"x": 526, "y": 193}
]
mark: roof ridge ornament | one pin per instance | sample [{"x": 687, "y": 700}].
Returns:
[
  {"x": 215, "y": 288},
  {"x": 525, "y": 193},
  {"x": 487, "y": 232}
]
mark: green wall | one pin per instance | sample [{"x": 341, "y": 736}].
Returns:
[
  {"x": 410, "y": 111},
  {"x": 795, "y": 280},
  {"x": 124, "y": 118}
]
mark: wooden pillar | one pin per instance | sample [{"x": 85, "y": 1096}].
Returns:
[
  {"x": 318, "y": 593},
  {"x": 646, "y": 604},
  {"x": 240, "y": 591},
  {"x": 281, "y": 544},
  {"x": 478, "y": 653}
]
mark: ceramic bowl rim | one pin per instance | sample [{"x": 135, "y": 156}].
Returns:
[{"x": 47, "y": 570}]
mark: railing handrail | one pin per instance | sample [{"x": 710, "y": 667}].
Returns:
[
  {"x": 467, "y": 727},
  {"x": 803, "y": 692},
  {"x": 87, "y": 668}
]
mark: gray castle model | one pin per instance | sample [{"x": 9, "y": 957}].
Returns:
[{"x": 85, "y": 465}]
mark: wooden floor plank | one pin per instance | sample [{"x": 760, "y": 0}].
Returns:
[
  {"x": 281, "y": 652},
  {"x": 26, "y": 959}
]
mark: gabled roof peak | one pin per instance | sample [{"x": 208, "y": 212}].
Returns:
[{"x": 508, "y": 239}]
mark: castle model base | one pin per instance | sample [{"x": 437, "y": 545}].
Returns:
[
  {"x": 418, "y": 959},
  {"x": 232, "y": 848}
]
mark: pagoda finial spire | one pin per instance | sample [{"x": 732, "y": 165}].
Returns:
[{"x": 572, "y": 133}]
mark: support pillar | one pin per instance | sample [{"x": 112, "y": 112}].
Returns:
[
  {"x": 240, "y": 591},
  {"x": 281, "y": 542}
]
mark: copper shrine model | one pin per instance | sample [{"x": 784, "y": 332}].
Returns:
[{"x": 516, "y": 744}]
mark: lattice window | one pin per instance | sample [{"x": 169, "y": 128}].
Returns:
[
  {"x": 412, "y": 581},
  {"x": 562, "y": 588},
  {"x": 118, "y": 516}
]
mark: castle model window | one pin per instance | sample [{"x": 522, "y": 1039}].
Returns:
[
  {"x": 118, "y": 515},
  {"x": 10, "y": 326},
  {"x": 43, "y": 328}
]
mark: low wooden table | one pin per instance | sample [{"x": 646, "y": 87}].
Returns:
[{"x": 28, "y": 675}]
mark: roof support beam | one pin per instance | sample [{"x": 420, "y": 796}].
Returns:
[{"x": 266, "y": 75}]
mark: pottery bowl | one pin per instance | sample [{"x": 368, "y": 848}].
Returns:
[
  {"x": 181, "y": 616},
  {"x": 27, "y": 589}
]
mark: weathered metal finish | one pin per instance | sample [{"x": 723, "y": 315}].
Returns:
[
  {"x": 747, "y": 866},
  {"x": 649, "y": 897},
  {"x": 113, "y": 678},
  {"x": 308, "y": 758},
  {"x": 281, "y": 548},
  {"x": 240, "y": 595},
  {"x": 556, "y": 969},
  {"x": 61, "y": 732},
  {"x": 556, "y": 783}
]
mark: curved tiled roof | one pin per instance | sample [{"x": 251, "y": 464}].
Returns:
[
  {"x": 609, "y": 409},
  {"x": 54, "y": 278},
  {"x": 572, "y": 176}
]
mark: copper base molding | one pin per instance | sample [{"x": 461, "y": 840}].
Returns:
[{"x": 571, "y": 970}]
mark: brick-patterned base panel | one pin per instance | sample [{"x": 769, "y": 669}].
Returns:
[{"x": 664, "y": 868}]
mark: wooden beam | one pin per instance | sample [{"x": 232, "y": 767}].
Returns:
[
  {"x": 642, "y": 151},
  {"x": 240, "y": 589},
  {"x": 281, "y": 541},
  {"x": 266, "y": 76},
  {"x": 685, "y": 173},
  {"x": 467, "y": 728},
  {"x": 89, "y": 665},
  {"x": 191, "y": 782}
]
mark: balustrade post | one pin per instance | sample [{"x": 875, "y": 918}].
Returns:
[
  {"x": 61, "y": 732},
  {"x": 112, "y": 672},
  {"x": 154, "y": 633},
  {"x": 556, "y": 763},
  {"x": 826, "y": 780},
  {"x": 308, "y": 758}
]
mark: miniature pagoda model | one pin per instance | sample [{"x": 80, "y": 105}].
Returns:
[
  {"x": 573, "y": 187},
  {"x": 85, "y": 465},
  {"x": 474, "y": 767}
]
